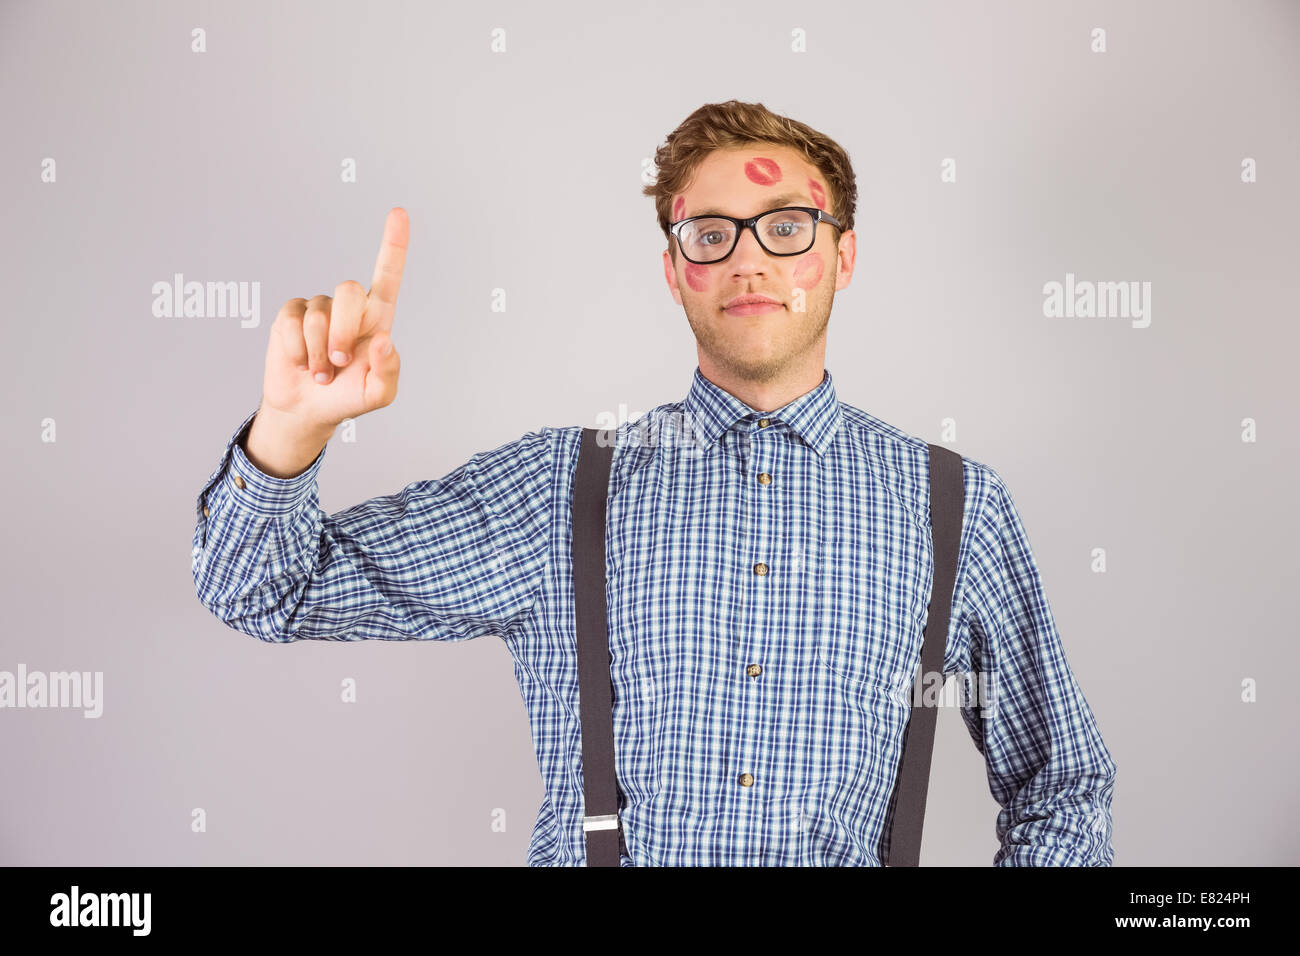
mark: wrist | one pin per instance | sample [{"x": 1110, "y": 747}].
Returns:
[{"x": 282, "y": 445}]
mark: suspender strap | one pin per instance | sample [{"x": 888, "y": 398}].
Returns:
[
  {"x": 601, "y": 824},
  {"x": 947, "y": 504}
]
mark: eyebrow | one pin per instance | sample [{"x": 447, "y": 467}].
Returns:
[{"x": 786, "y": 199}]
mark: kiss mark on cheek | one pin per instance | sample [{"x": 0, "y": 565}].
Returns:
[
  {"x": 818, "y": 193},
  {"x": 765, "y": 172},
  {"x": 679, "y": 207},
  {"x": 809, "y": 271},
  {"x": 697, "y": 276}
]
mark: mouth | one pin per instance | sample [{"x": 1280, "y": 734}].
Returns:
[{"x": 751, "y": 305}]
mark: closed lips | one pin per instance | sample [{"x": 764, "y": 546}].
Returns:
[{"x": 750, "y": 300}]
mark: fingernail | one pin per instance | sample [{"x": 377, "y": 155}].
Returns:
[
  {"x": 339, "y": 358},
  {"x": 322, "y": 377}
]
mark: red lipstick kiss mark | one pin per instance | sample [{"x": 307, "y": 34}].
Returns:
[
  {"x": 818, "y": 193},
  {"x": 765, "y": 172},
  {"x": 697, "y": 276},
  {"x": 809, "y": 271},
  {"x": 678, "y": 208}
]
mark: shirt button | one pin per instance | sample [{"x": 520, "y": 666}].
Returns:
[
  {"x": 239, "y": 482},
  {"x": 760, "y": 569},
  {"x": 205, "y": 511},
  {"x": 764, "y": 479},
  {"x": 746, "y": 779},
  {"x": 764, "y": 422},
  {"x": 753, "y": 670}
]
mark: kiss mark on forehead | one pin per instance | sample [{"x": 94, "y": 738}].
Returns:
[
  {"x": 697, "y": 276},
  {"x": 818, "y": 193},
  {"x": 679, "y": 207},
  {"x": 765, "y": 172},
  {"x": 809, "y": 271}
]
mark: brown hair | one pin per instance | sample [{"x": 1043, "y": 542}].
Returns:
[{"x": 730, "y": 124}]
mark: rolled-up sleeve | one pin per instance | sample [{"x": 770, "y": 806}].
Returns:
[
  {"x": 1048, "y": 767},
  {"x": 448, "y": 559}
]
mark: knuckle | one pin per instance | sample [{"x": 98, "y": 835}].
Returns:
[
  {"x": 350, "y": 287},
  {"x": 291, "y": 312}
]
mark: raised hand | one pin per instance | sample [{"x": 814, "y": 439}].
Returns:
[{"x": 332, "y": 357}]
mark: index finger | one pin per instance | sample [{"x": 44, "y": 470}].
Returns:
[{"x": 382, "y": 299}]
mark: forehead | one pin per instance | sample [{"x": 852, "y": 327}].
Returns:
[{"x": 742, "y": 181}]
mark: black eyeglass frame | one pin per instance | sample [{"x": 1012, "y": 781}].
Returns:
[{"x": 752, "y": 225}]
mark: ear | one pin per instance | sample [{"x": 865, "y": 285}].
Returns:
[
  {"x": 670, "y": 275},
  {"x": 847, "y": 255}
]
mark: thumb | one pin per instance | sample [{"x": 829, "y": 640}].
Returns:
[{"x": 381, "y": 379}]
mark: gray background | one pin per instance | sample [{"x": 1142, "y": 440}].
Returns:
[{"x": 225, "y": 166}]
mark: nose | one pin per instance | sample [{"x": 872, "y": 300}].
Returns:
[{"x": 748, "y": 257}]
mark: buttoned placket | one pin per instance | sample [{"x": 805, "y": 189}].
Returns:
[{"x": 763, "y": 516}]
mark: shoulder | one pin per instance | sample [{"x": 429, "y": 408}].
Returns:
[
  {"x": 903, "y": 459},
  {"x": 635, "y": 440}
]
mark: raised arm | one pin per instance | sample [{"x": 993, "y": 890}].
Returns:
[{"x": 447, "y": 559}]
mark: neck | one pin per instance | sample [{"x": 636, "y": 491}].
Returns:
[{"x": 766, "y": 393}]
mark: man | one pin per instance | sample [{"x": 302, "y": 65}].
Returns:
[{"x": 769, "y": 557}]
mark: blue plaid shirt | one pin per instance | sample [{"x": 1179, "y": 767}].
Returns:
[{"x": 768, "y": 586}]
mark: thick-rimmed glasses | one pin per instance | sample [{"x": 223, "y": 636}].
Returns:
[{"x": 788, "y": 231}]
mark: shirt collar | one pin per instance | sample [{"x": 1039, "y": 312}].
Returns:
[{"x": 814, "y": 416}]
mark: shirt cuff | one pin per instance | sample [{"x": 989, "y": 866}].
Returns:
[
  {"x": 239, "y": 481},
  {"x": 1053, "y": 855}
]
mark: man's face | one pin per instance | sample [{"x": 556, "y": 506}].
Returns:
[{"x": 759, "y": 344}]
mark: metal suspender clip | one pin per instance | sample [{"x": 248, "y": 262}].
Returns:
[{"x": 601, "y": 821}]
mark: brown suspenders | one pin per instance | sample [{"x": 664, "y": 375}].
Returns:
[
  {"x": 601, "y": 823},
  {"x": 907, "y": 806},
  {"x": 600, "y": 790}
]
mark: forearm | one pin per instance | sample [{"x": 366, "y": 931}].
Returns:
[{"x": 1068, "y": 827}]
